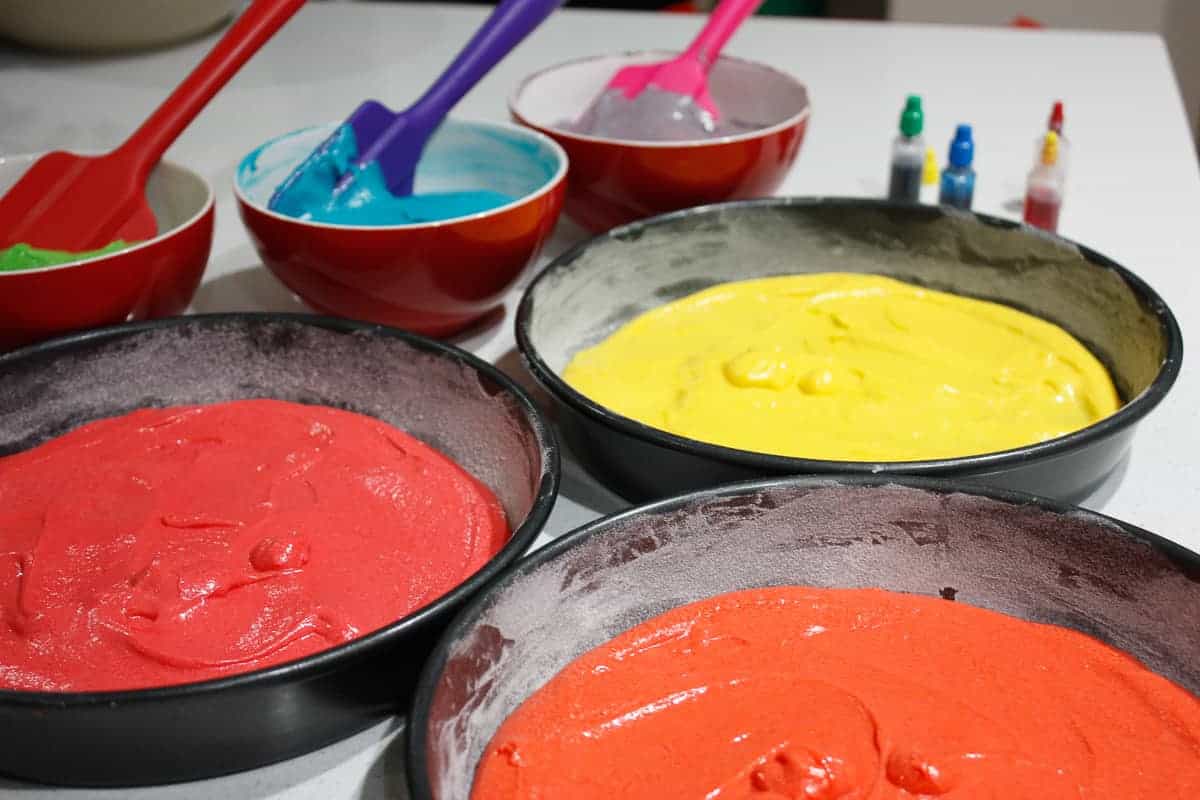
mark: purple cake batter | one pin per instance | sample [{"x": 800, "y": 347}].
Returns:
[{"x": 653, "y": 116}]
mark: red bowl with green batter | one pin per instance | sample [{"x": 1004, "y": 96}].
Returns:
[{"x": 150, "y": 279}]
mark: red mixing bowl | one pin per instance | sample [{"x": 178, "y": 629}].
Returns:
[
  {"x": 615, "y": 181},
  {"x": 154, "y": 278},
  {"x": 434, "y": 278}
]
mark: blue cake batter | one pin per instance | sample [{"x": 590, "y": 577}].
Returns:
[{"x": 308, "y": 192}]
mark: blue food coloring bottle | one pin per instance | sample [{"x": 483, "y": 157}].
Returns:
[{"x": 958, "y": 178}]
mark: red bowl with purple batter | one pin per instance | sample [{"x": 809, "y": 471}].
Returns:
[
  {"x": 151, "y": 279},
  {"x": 435, "y": 278},
  {"x": 615, "y": 181}
]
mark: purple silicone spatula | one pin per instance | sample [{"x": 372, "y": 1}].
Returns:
[{"x": 394, "y": 140}]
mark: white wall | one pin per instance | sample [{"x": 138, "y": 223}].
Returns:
[
  {"x": 1181, "y": 29},
  {"x": 1178, "y": 21},
  {"x": 1116, "y": 15}
]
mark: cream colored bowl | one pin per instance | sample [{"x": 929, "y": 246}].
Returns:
[{"x": 98, "y": 26}]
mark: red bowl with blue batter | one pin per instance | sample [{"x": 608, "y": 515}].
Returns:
[
  {"x": 616, "y": 181},
  {"x": 435, "y": 278}
]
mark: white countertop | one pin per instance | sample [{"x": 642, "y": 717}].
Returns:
[{"x": 1133, "y": 194}]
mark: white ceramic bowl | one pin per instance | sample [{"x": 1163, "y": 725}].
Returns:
[{"x": 99, "y": 26}]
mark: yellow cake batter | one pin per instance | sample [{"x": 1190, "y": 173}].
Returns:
[{"x": 847, "y": 367}]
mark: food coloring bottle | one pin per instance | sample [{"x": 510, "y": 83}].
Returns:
[
  {"x": 958, "y": 178},
  {"x": 1044, "y": 191},
  {"x": 929, "y": 176},
  {"x": 1055, "y": 123},
  {"x": 908, "y": 154},
  {"x": 1056, "y": 119}
]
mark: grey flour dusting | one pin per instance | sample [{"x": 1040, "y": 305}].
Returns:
[
  {"x": 437, "y": 399},
  {"x": 640, "y": 267}
]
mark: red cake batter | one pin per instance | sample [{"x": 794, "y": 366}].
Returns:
[
  {"x": 810, "y": 694},
  {"x": 181, "y": 544}
]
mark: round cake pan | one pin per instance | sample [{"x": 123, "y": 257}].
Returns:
[
  {"x": 588, "y": 292},
  {"x": 448, "y": 398},
  {"x": 1028, "y": 557}
]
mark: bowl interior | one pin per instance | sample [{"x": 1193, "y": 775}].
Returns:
[
  {"x": 461, "y": 156},
  {"x": 176, "y": 194},
  {"x": 435, "y": 397},
  {"x": 1069, "y": 568},
  {"x": 752, "y": 93},
  {"x": 588, "y": 293}
]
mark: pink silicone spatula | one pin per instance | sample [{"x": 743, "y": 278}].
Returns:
[
  {"x": 669, "y": 99},
  {"x": 70, "y": 202},
  {"x": 687, "y": 74}
]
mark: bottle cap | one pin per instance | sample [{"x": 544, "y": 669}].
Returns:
[
  {"x": 1056, "y": 118},
  {"x": 962, "y": 147},
  {"x": 1050, "y": 149},
  {"x": 929, "y": 174},
  {"x": 912, "y": 118}
]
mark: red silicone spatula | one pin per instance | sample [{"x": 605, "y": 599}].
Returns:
[{"x": 70, "y": 202}]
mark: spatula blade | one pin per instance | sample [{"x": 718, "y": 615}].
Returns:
[
  {"x": 369, "y": 121},
  {"x": 366, "y": 124},
  {"x": 70, "y": 202},
  {"x": 651, "y": 115}
]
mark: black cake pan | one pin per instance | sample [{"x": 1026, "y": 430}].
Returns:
[
  {"x": 590, "y": 291},
  {"x": 442, "y": 395}
]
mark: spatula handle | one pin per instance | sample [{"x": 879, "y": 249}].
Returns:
[
  {"x": 509, "y": 23},
  {"x": 722, "y": 24},
  {"x": 249, "y": 32}
]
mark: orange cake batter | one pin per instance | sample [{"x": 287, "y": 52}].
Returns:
[
  {"x": 179, "y": 544},
  {"x": 815, "y": 694}
]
